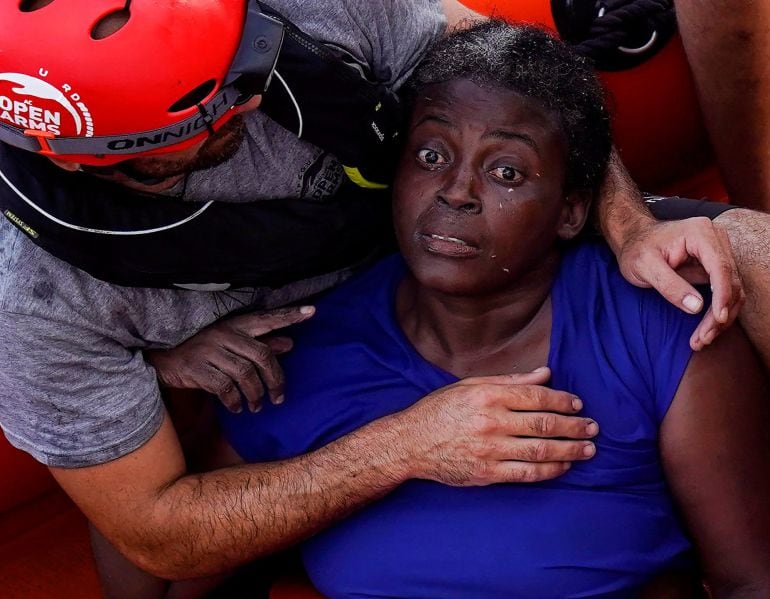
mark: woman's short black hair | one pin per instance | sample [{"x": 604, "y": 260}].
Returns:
[{"x": 533, "y": 63}]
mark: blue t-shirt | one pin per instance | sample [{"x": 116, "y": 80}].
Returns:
[{"x": 602, "y": 529}]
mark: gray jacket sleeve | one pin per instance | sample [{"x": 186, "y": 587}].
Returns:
[{"x": 388, "y": 36}]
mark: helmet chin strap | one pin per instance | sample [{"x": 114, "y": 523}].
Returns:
[{"x": 125, "y": 168}]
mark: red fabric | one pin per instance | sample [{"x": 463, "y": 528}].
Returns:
[
  {"x": 45, "y": 552},
  {"x": 21, "y": 477},
  {"x": 704, "y": 184},
  {"x": 294, "y": 588}
]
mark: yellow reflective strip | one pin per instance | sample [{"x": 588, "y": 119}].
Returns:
[
  {"x": 355, "y": 175},
  {"x": 21, "y": 224}
]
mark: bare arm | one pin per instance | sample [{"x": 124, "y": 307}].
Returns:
[
  {"x": 458, "y": 15},
  {"x": 729, "y": 55},
  {"x": 181, "y": 526},
  {"x": 650, "y": 252},
  {"x": 176, "y": 525},
  {"x": 715, "y": 444},
  {"x": 749, "y": 234}
]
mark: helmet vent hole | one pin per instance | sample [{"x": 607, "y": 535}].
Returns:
[
  {"x": 33, "y": 5},
  {"x": 194, "y": 97},
  {"x": 110, "y": 24}
]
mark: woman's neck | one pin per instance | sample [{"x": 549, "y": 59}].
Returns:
[{"x": 504, "y": 332}]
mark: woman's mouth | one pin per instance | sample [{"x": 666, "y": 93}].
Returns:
[{"x": 447, "y": 245}]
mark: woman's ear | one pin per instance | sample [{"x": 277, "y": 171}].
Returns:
[{"x": 574, "y": 214}]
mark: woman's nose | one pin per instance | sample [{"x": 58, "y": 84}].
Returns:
[{"x": 460, "y": 193}]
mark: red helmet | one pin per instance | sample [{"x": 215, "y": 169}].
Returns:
[{"x": 102, "y": 81}]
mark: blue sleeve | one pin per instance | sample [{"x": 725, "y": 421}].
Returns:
[
  {"x": 340, "y": 358},
  {"x": 314, "y": 395},
  {"x": 667, "y": 332},
  {"x": 639, "y": 340},
  {"x": 657, "y": 335}
]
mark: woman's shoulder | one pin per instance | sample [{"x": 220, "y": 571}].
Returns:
[
  {"x": 589, "y": 255},
  {"x": 387, "y": 272},
  {"x": 591, "y": 285},
  {"x": 624, "y": 328},
  {"x": 360, "y": 310},
  {"x": 589, "y": 268},
  {"x": 366, "y": 295}
]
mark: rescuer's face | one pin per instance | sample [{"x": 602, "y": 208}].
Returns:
[{"x": 213, "y": 151}]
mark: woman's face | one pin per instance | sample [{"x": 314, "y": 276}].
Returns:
[{"x": 479, "y": 198}]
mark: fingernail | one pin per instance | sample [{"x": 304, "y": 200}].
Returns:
[
  {"x": 307, "y": 310},
  {"x": 592, "y": 428},
  {"x": 577, "y": 404},
  {"x": 279, "y": 400},
  {"x": 724, "y": 315},
  {"x": 709, "y": 337},
  {"x": 567, "y": 466},
  {"x": 589, "y": 450},
  {"x": 541, "y": 369},
  {"x": 255, "y": 409},
  {"x": 693, "y": 304}
]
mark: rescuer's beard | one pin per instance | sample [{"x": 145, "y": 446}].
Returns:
[{"x": 215, "y": 150}]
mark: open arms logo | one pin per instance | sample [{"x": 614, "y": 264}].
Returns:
[{"x": 30, "y": 103}]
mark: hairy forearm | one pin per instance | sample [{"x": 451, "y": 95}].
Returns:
[
  {"x": 727, "y": 49},
  {"x": 477, "y": 431},
  {"x": 207, "y": 523},
  {"x": 619, "y": 209},
  {"x": 749, "y": 234}
]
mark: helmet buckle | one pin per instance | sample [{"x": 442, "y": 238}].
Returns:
[{"x": 42, "y": 138}]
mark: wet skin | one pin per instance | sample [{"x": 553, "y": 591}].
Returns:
[
  {"x": 479, "y": 206},
  {"x": 484, "y": 167}
]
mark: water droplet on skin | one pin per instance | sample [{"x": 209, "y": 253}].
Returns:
[
  {"x": 510, "y": 190},
  {"x": 501, "y": 206},
  {"x": 493, "y": 256},
  {"x": 507, "y": 270},
  {"x": 538, "y": 175}
]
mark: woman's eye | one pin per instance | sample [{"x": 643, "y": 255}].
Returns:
[
  {"x": 430, "y": 157},
  {"x": 507, "y": 174}
]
